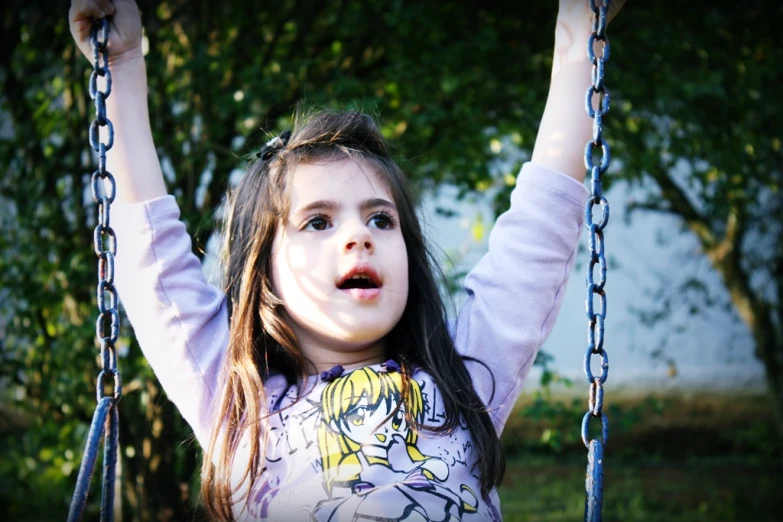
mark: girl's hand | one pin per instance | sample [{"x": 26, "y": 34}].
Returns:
[
  {"x": 581, "y": 9},
  {"x": 614, "y": 8},
  {"x": 124, "y": 30}
]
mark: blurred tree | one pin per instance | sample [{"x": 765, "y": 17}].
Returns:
[
  {"x": 457, "y": 86},
  {"x": 699, "y": 126}
]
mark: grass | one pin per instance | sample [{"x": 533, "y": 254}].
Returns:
[
  {"x": 670, "y": 458},
  {"x": 675, "y": 493}
]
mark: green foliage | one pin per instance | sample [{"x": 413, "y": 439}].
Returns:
[
  {"x": 556, "y": 420},
  {"x": 456, "y": 85}
]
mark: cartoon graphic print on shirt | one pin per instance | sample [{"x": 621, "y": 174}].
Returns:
[
  {"x": 346, "y": 451},
  {"x": 365, "y": 441}
]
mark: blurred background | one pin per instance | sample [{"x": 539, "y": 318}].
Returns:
[{"x": 695, "y": 327}]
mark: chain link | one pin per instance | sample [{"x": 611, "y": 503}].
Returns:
[
  {"x": 596, "y": 312},
  {"x": 107, "y": 326}
]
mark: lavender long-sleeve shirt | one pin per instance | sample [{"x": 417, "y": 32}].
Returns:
[{"x": 341, "y": 453}]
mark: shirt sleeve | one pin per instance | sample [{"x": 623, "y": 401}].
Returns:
[
  {"x": 180, "y": 321},
  {"x": 514, "y": 293}
]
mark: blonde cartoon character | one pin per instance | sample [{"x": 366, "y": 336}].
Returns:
[{"x": 365, "y": 441}]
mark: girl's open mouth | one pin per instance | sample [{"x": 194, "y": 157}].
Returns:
[
  {"x": 361, "y": 282},
  {"x": 361, "y": 287}
]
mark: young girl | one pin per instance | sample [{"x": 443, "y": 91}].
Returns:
[{"x": 323, "y": 382}]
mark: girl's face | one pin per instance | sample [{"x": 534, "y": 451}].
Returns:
[
  {"x": 339, "y": 262},
  {"x": 373, "y": 426}
]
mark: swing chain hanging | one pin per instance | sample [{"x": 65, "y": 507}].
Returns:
[
  {"x": 105, "y": 421},
  {"x": 596, "y": 312},
  {"x": 107, "y": 327}
]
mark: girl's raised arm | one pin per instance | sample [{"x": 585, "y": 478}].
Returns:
[
  {"x": 180, "y": 321},
  {"x": 565, "y": 127},
  {"x": 516, "y": 290},
  {"x": 132, "y": 160}
]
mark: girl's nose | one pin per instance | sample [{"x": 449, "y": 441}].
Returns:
[{"x": 359, "y": 238}]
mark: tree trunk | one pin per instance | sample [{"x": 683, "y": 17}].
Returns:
[{"x": 769, "y": 348}]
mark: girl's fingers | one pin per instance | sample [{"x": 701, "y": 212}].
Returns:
[
  {"x": 614, "y": 8},
  {"x": 81, "y": 15},
  {"x": 106, "y": 6},
  {"x": 83, "y": 10}
]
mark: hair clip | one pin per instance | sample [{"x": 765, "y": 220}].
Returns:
[
  {"x": 332, "y": 374},
  {"x": 390, "y": 366},
  {"x": 273, "y": 145}
]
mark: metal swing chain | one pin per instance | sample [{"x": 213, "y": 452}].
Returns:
[
  {"x": 105, "y": 419},
  {"x": 596, "y": 315}
]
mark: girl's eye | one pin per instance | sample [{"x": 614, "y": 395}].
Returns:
[
  {"x": 356, "y": 417},
  {"x": 317, "y": 223},
  {"x": 382, "y": 220},
  {"x": 397, "y": 420}
]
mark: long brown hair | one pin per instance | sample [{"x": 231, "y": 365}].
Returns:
[{"x": 261, "y": 341}]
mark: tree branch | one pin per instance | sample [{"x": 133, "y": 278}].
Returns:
[
  {"x": 649, "y": 206},
  {"x": 682, "y": 206}
]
